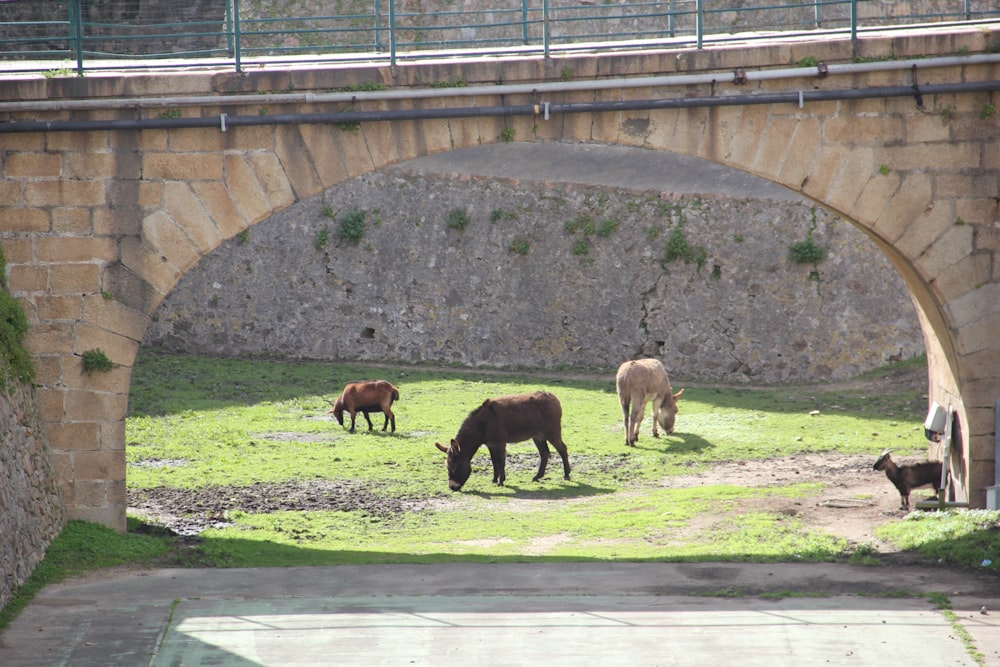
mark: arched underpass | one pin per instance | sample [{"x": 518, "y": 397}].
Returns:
[
  {"x": 277, "y": 293},
  {"x": 107, "y": 219}
]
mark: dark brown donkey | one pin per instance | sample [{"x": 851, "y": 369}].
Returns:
[{"x": 503, "y": 420}]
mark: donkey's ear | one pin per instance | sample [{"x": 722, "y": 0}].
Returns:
[
  {"x": 678, "y": 394},
  {"x": 455, "y": 447},
  {"x": 441, "y": 447}
]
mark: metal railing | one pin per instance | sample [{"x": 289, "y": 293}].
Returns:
[{"x": 76, "y": 36}]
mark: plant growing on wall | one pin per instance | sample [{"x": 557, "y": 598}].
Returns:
[
  {"x": 581, "y": 246},
  {"x": 13, "y": 328},
  {"x": 353, "y": 126},
  {"x": 322, "y": 236},
  {"x": 582, "y": 223},
  {"x": 348, "y": 126},
  {"x": 499, "y": 214},
  {"x": 588, "y": 227},
  {"x": 352, "y": 226},
  {"x": 457, "y": 218},
  {"x": 449, "y": 83},
  {"x": 807, "y": 251},
  {"x": 364, "y": 86},
  {"x": 96, "y": 360},
  {"x": 607, "y": 227},
  {"x": 677, "y": 247},
  {"x": 520, "y": 245}
]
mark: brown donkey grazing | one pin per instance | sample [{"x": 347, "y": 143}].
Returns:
[
  {"x": 641, "y": 381},
  {"x": 503, "y": 420},
  {"x": 365, "y": 397}
]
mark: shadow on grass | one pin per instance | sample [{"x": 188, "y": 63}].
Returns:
[
  {"x": 163, "y": 384},
  {"x": 376, "y": 432},
  {"x": 966, "y": 553},
  {"x": 542, "y": 492},
  {"x": 224, "y": 552},
  {"x": 675, "y": 443}
]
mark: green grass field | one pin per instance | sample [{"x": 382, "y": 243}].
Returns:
[
  {"x": 199, "y": 423},
  {"x": 237, "y": 422}
]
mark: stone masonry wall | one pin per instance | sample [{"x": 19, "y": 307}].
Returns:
[
  {"x": 544, "y": 276},
  {"x": 31, "y": 511}
]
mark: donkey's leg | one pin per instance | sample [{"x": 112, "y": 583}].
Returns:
[
  {"x": 638, "y": 407},
  {"x": 543, "y": 456},
  {"x": 498, "y": 454},
  {"x": 557, "y": 442},
  {"x": 628, "y": 422},
  {"x": 655, "y": 409}
]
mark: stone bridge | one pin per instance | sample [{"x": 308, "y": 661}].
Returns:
[{"x": 115, "y": 185}]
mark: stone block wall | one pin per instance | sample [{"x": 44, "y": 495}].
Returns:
[
  {"x": 459, "y": 268},
  {"x": 31, "y": 510}
]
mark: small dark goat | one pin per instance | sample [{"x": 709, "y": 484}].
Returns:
[{"x": 909, "y": 476}]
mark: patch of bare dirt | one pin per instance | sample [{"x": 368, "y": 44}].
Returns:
[
  {"x": 854, "y": 501},
  {"x": 188, "y": 512}
]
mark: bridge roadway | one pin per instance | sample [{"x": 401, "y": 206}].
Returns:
[{"x": 631, "y": 614}]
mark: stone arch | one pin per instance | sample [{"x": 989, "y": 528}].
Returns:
[{"x": 921, "y": 185}]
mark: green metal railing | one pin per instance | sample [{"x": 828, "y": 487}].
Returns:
[{"x": 84, "y": 35}]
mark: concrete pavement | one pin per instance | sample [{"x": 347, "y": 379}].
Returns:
[{"x": 511, "y": 614}]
